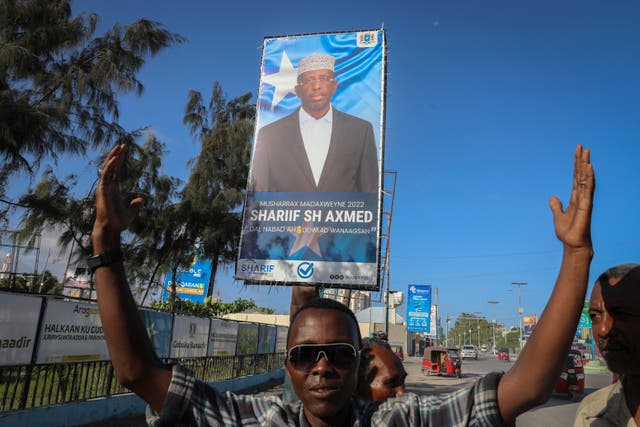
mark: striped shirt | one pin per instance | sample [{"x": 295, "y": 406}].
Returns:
[{"x": 191, "y": 402}]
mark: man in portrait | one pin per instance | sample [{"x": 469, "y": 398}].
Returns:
[{"x": 317, "y": 147}]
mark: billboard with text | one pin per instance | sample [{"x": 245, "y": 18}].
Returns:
[
  {"x": 312, "y": 210},
  {"x": 419, "y": 308}
]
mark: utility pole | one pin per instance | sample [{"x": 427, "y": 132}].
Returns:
[
  {"x": 493, "y": 323},
  {"x": 520, "y": 309}
]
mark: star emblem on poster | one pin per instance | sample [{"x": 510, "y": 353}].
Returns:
[
  {"x": 284, "y": 80},
  {"x": 309, "y": 240}
]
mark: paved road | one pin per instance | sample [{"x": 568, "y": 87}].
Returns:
[{"x": 558, "y": 412}]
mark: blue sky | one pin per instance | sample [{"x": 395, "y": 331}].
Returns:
[{"x": 485, "y": 103}]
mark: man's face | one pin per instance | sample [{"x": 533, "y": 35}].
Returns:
[
  {"x": 615, "y": 317},
  {"x": 386, "y": 374},
  {"x": 315, "y": 89},
  {"x": 325, "y": 390}
]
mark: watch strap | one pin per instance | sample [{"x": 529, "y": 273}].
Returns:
[{"x": 105, "y": 258}]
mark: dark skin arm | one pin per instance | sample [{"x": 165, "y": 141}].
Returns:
[
  {"x": 532, "y": 378},
  {"x": 300, "y": 295},
  {"x": 135, "y": 364}
]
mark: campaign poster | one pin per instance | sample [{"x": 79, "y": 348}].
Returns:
[
  {"x": 19, "y": 315},
  {"x": 192, "y": 281},
  {"x": 529, "y": 323},
  {"x": 312, "y": 209},
  {"x": 222, "y": 338},
  {"x": 419, "y": 308},
  {"x": 158, "y": 325},
  {"x": 247, "y": 339},
  {"x": 267, "y": 339},
  {"x": 190, "y": 336},
  {"x": 281, "y": 339},
  {"x": 71, "y": 332}
]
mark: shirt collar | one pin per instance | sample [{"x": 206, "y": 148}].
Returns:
[{"x": 307, "y": 118}]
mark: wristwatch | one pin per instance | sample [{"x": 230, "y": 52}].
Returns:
[{"x": 105, "y": 258}]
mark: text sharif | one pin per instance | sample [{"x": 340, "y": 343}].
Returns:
[{"x": 287, "y": 215}]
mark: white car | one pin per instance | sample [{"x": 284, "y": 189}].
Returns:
[{"x": 469, "y": 352}]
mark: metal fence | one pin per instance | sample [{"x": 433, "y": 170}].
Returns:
[{"x": 23, "y": 387}]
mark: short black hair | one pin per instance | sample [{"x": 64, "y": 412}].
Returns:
[
  {"x": 365, "y": 373},
  {"x": 326, "y": 303}
]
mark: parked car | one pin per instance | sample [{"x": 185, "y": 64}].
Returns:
[
  {"x": 469, "y": 352},
  {"x": 484, "y": 348}
]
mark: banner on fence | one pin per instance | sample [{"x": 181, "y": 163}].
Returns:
[
  {"x": 222, "y": 338},
  {"x": 281, "y": 339},
  {"x": 312, "y": 211},
  {"x": 267, "y": 339},
  {"x": 190, "y": 336},
  {"x": 19, "y": 315},
  {"x": 71, "y": 332},
  {"x": 158, "y": 326},
  {"x": 247, "y": 339}
]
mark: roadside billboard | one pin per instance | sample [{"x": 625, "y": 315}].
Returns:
[
  {"x": 312, "y": 210},
  {"x": 71, "y": 332},
  {"x": 529, "y": 323},
  {"x": 190, "y": 336},
  {"x": 419, "y": 308},
  {"x": 19, "y": 316},
  {"x": 433, "y": 323},
  {"x": 192, "y": 281},
  {"x": 584, "y": 325},
  {"x": 222, "y": 338}
]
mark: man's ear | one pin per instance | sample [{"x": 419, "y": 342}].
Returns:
[{"x": 297, "y": 88}]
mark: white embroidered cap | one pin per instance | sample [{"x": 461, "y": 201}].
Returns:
[{"x": 316, "y": 61}]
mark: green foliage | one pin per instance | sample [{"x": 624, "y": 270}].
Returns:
[
  {"x": 59, "y": 82},
  {"x": 215, "y": 309}
]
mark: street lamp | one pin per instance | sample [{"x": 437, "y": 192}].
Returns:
[
  {"x": 520, "y": 309},
  {"x": 493, "y": 325},
  {"x": 477, "y": 313}
]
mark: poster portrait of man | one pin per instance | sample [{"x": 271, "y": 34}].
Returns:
[
  {"x": 312, "y": 211},
  {"x": 317, "y": 147}
]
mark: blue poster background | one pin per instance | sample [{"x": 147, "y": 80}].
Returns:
[
  {"x": 192, "y": 282},
  {"x": 419, "y": 308}
]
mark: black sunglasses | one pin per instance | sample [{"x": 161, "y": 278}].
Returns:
[{"x": 303, "y": 357}]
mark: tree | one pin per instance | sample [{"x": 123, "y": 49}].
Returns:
[
  {"x": 59, "y": 83},
  {"x": 216, "y": 186},
  {"x": 149, "y": 244}
]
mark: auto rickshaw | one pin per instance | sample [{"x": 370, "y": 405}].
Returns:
[
  {"x": 571, "y": 381},
  {"x": 442, "y": 361},
  {"x": 503, "y": 354}
]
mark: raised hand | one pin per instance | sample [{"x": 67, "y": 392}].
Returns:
[
  {"x": 573, "y": 226},
  {"x": 112, "y": 214}
]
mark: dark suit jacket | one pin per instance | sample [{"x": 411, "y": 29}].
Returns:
[{"x": 280, "y": 160}]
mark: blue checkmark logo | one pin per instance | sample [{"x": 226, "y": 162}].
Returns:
[{"x": 305, "y": 270}]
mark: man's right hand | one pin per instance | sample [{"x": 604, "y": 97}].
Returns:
[{"x": 112, "y": 214}]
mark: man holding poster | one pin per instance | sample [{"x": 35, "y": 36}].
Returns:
[{"x": 317, "y": 147}]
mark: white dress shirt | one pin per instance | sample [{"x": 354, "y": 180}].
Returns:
[{"x": 316, "y": 135}]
